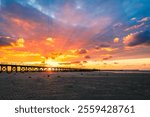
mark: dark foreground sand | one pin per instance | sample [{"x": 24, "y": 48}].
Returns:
[{"x": 75, "y": 85}]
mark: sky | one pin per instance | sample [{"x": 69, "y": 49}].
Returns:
[{"x": 103, "y": 34}]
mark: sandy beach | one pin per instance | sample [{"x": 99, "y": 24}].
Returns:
[{"x": 75, "y": 85}]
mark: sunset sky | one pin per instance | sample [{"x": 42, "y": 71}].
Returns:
[{"x": 105, "y": 34}]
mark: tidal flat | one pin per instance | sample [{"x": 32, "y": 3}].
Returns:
[{"x": 96, "y": 85}]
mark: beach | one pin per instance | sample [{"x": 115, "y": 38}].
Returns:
[{"x": 95, "y": 85}]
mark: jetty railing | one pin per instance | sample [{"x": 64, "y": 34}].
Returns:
[{"x": 31, "y": 68}]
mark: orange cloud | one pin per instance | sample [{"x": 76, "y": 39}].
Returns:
[
  {"x": 138, "y": 38},
  {"x": 19, "y": 43},
  {"x": 50, "y": 39},
  {"x": 13, "y": 56},
  {"x": 109, "y": 49},
  {"x": 116, "y": 40},
  {"x": 25, "y": 24}
]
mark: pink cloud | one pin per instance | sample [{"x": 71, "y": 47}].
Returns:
[
  {"x": 134, "y": 27},
  {"x": 145, "y": 19}
]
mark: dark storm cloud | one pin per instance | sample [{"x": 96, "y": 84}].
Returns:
[
  {"x": 104, "y": 45},
  {"x": 5, "y": 41},
  {"x": 97, "y": 47},
  {"x": 81, "y": 51},
  {"x": 87, "y": 57},
  {"x": 141, "y": 38}
]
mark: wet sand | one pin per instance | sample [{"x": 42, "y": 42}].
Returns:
[{"x": 75, "y": 86}]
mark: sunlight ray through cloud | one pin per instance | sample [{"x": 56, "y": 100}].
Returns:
[{"x": 80, "y": 32}]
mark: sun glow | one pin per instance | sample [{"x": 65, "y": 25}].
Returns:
[
  {"x": 50, "y": 39},
  {"x": 70, "y": 35},
  {"x": 52, "y": 63}
]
